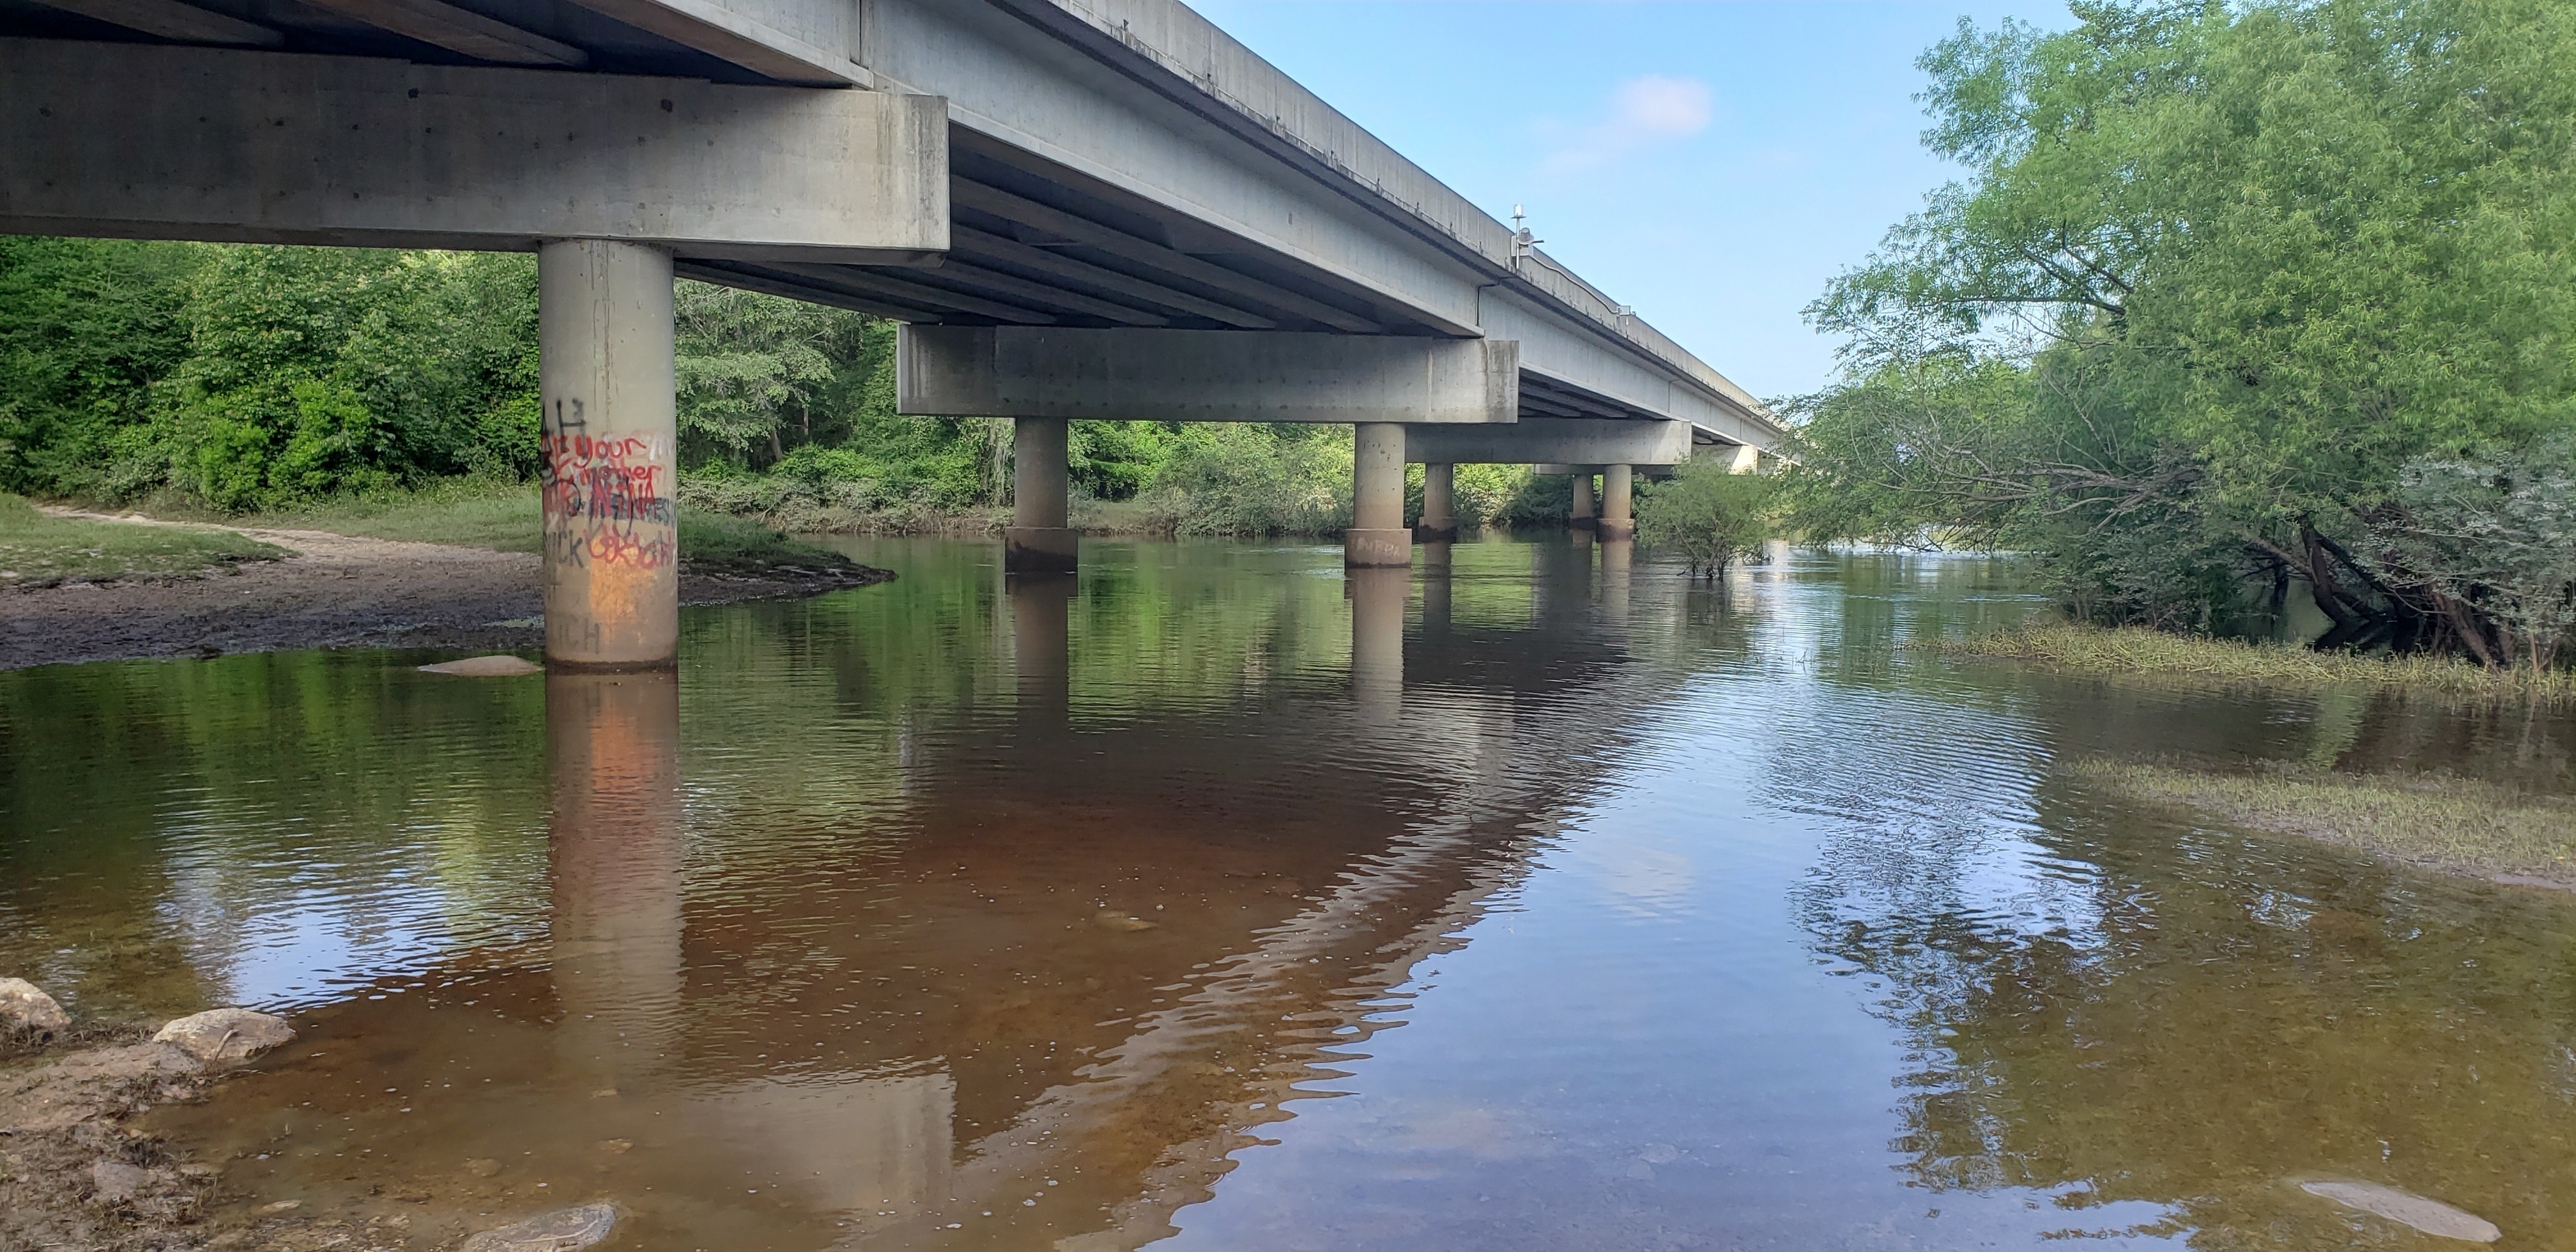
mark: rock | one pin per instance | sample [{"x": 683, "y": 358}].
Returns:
[
  {"x": 115, "y": 1182},
  {"x": 485, "y": 667},
  {"x": 225, "y": 1034},
  {"x": 483, "y": 1167},
  {"x": 2406, "y": 1208},
  {"x": 559, "y": 1231},
  {"x": 1114, "y": 920},
  {"x": 25, "y": 1009}
]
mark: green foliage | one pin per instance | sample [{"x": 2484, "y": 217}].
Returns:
[
  {"x": 1711, "y": 517},
  {"x": 2215, "y": 275},
  {"x": 364, "y": 387},
  {"x": 86, "y": 330},
  {"x": 314, "y": 371},
  {"x": 1243, "y": 479},
  {"x": 2491, "y": 536}
]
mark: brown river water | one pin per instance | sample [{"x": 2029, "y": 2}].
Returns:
[{"x": 1215, "y": 899}]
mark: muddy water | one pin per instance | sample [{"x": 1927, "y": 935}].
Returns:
[{"x": 1545, "y": 902}]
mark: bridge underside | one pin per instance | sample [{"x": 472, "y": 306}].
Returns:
[{"x": 1102, "y": 208}]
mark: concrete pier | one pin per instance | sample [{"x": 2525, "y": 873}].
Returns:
[
  {"x": 608, "y": 435},
  {"x": 1040, "y": 539},
  {"x": 1582, "y": 516},
  {"x": 1616, "y": 520},
  {"x": 1439, "y": 524},
  {"x": 1748, "y": 459},
  {"x": 1377, "y": 537}
]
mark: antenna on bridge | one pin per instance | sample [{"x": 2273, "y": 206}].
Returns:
[{"x": 1522, "y": 239}]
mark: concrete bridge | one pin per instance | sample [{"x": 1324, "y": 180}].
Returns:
[{"x": 1077, "y": 209}]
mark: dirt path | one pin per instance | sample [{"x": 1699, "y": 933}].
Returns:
[{"x": 335, "y": 591}]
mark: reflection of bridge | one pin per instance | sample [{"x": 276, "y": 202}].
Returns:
[
  {"x": 1079, "y": 208},
  {"x": 1004, "y": 1037}
]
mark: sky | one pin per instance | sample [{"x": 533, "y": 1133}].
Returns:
[{"x": 1712, "y": 162}]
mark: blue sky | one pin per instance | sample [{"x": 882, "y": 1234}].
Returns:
[{"x": 1713, "y": 164}]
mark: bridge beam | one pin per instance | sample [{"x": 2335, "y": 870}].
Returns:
[
  {"x": 1203, "y": 376},
  {"x": 1553, "y": 440},
  {"x": 227, "y": 145}
]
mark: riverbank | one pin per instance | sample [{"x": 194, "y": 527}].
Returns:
[
  {"x": 2066, "y": 647},
  {"x": 40, "y": 549},
  {"x": 328, "y": 588},
  {"x": 2448, "y": 825}
]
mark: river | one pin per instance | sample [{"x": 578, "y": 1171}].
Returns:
[{"x": 1219, "y": 900}]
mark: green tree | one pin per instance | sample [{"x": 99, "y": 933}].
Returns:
[
  {"x": 87, "y": 328},
  {"x": 2215, "y": 274},
  {"x": 1712, "y": 517}
]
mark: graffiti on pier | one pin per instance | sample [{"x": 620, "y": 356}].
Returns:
[{"x": 607, "y": 496}]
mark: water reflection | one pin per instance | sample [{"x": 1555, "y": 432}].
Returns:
[
  {"x": 975, "y": 911},
  {"x": 613, "y": 754}
]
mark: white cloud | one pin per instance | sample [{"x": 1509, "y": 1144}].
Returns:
[{"x": 1644, "y": 111}]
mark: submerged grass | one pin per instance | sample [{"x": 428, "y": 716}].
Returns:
[
  {"x": 2136, "y": 650},
  {"x": 39, "y": 550},
  {"x": 2453, "y": 825}
]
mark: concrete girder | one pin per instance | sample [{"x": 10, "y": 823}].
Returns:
[
  {"x": 459, "y": 30},
  {"x": 1552, "y": 440},
  {"x": 1118, "y": 243},
  {"x": 969, "y": 241},
  {"x": 793, "y": 41},
  {"x": 773, "y": 282},
  {"x": 203, "y": 143},
  {"x": 170, "y": 19},
  {"x": 1203, "y": 375}
]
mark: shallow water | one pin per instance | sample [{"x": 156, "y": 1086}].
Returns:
[{"x": 1218, "y": 899}]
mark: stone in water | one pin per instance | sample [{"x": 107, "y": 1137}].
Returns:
[
  {"x": 225, "y": 1034},
  {"x": 559, "y": 1231},
  {"x": 2406, "y": 1208},
  {"x": 1115, "y": 920},
  {"x": 23, "y": 1007},
  {"x": 485, "y": 667}
]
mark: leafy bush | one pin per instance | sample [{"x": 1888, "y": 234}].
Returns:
[
  {"x": 1244, "y": 479},
  {"x": 1711, "y": 517}
]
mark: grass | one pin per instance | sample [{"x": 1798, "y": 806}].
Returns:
[
  {"x": 502, "y": 516},
  {"x": 37, "y": 550},
  {"x": 465, "y": 512},
  {"x": 2449, "y": 824},
  {"x": 2136, "y": 650}
]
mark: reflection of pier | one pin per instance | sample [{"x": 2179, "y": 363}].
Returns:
[{"x": 1053, "y": 930}]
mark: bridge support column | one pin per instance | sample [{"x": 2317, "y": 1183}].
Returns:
[
  {"x": 1748, "y": 459},
  {"x": 608, "y": 428},
  {"x": 1377, "y": 536},
  {"x": 1040, "y": 539},
  {"x": 1616, "y": 522},
  {"x": 1582, "y": 518},
  {"x": 1438, "y": 524}
]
